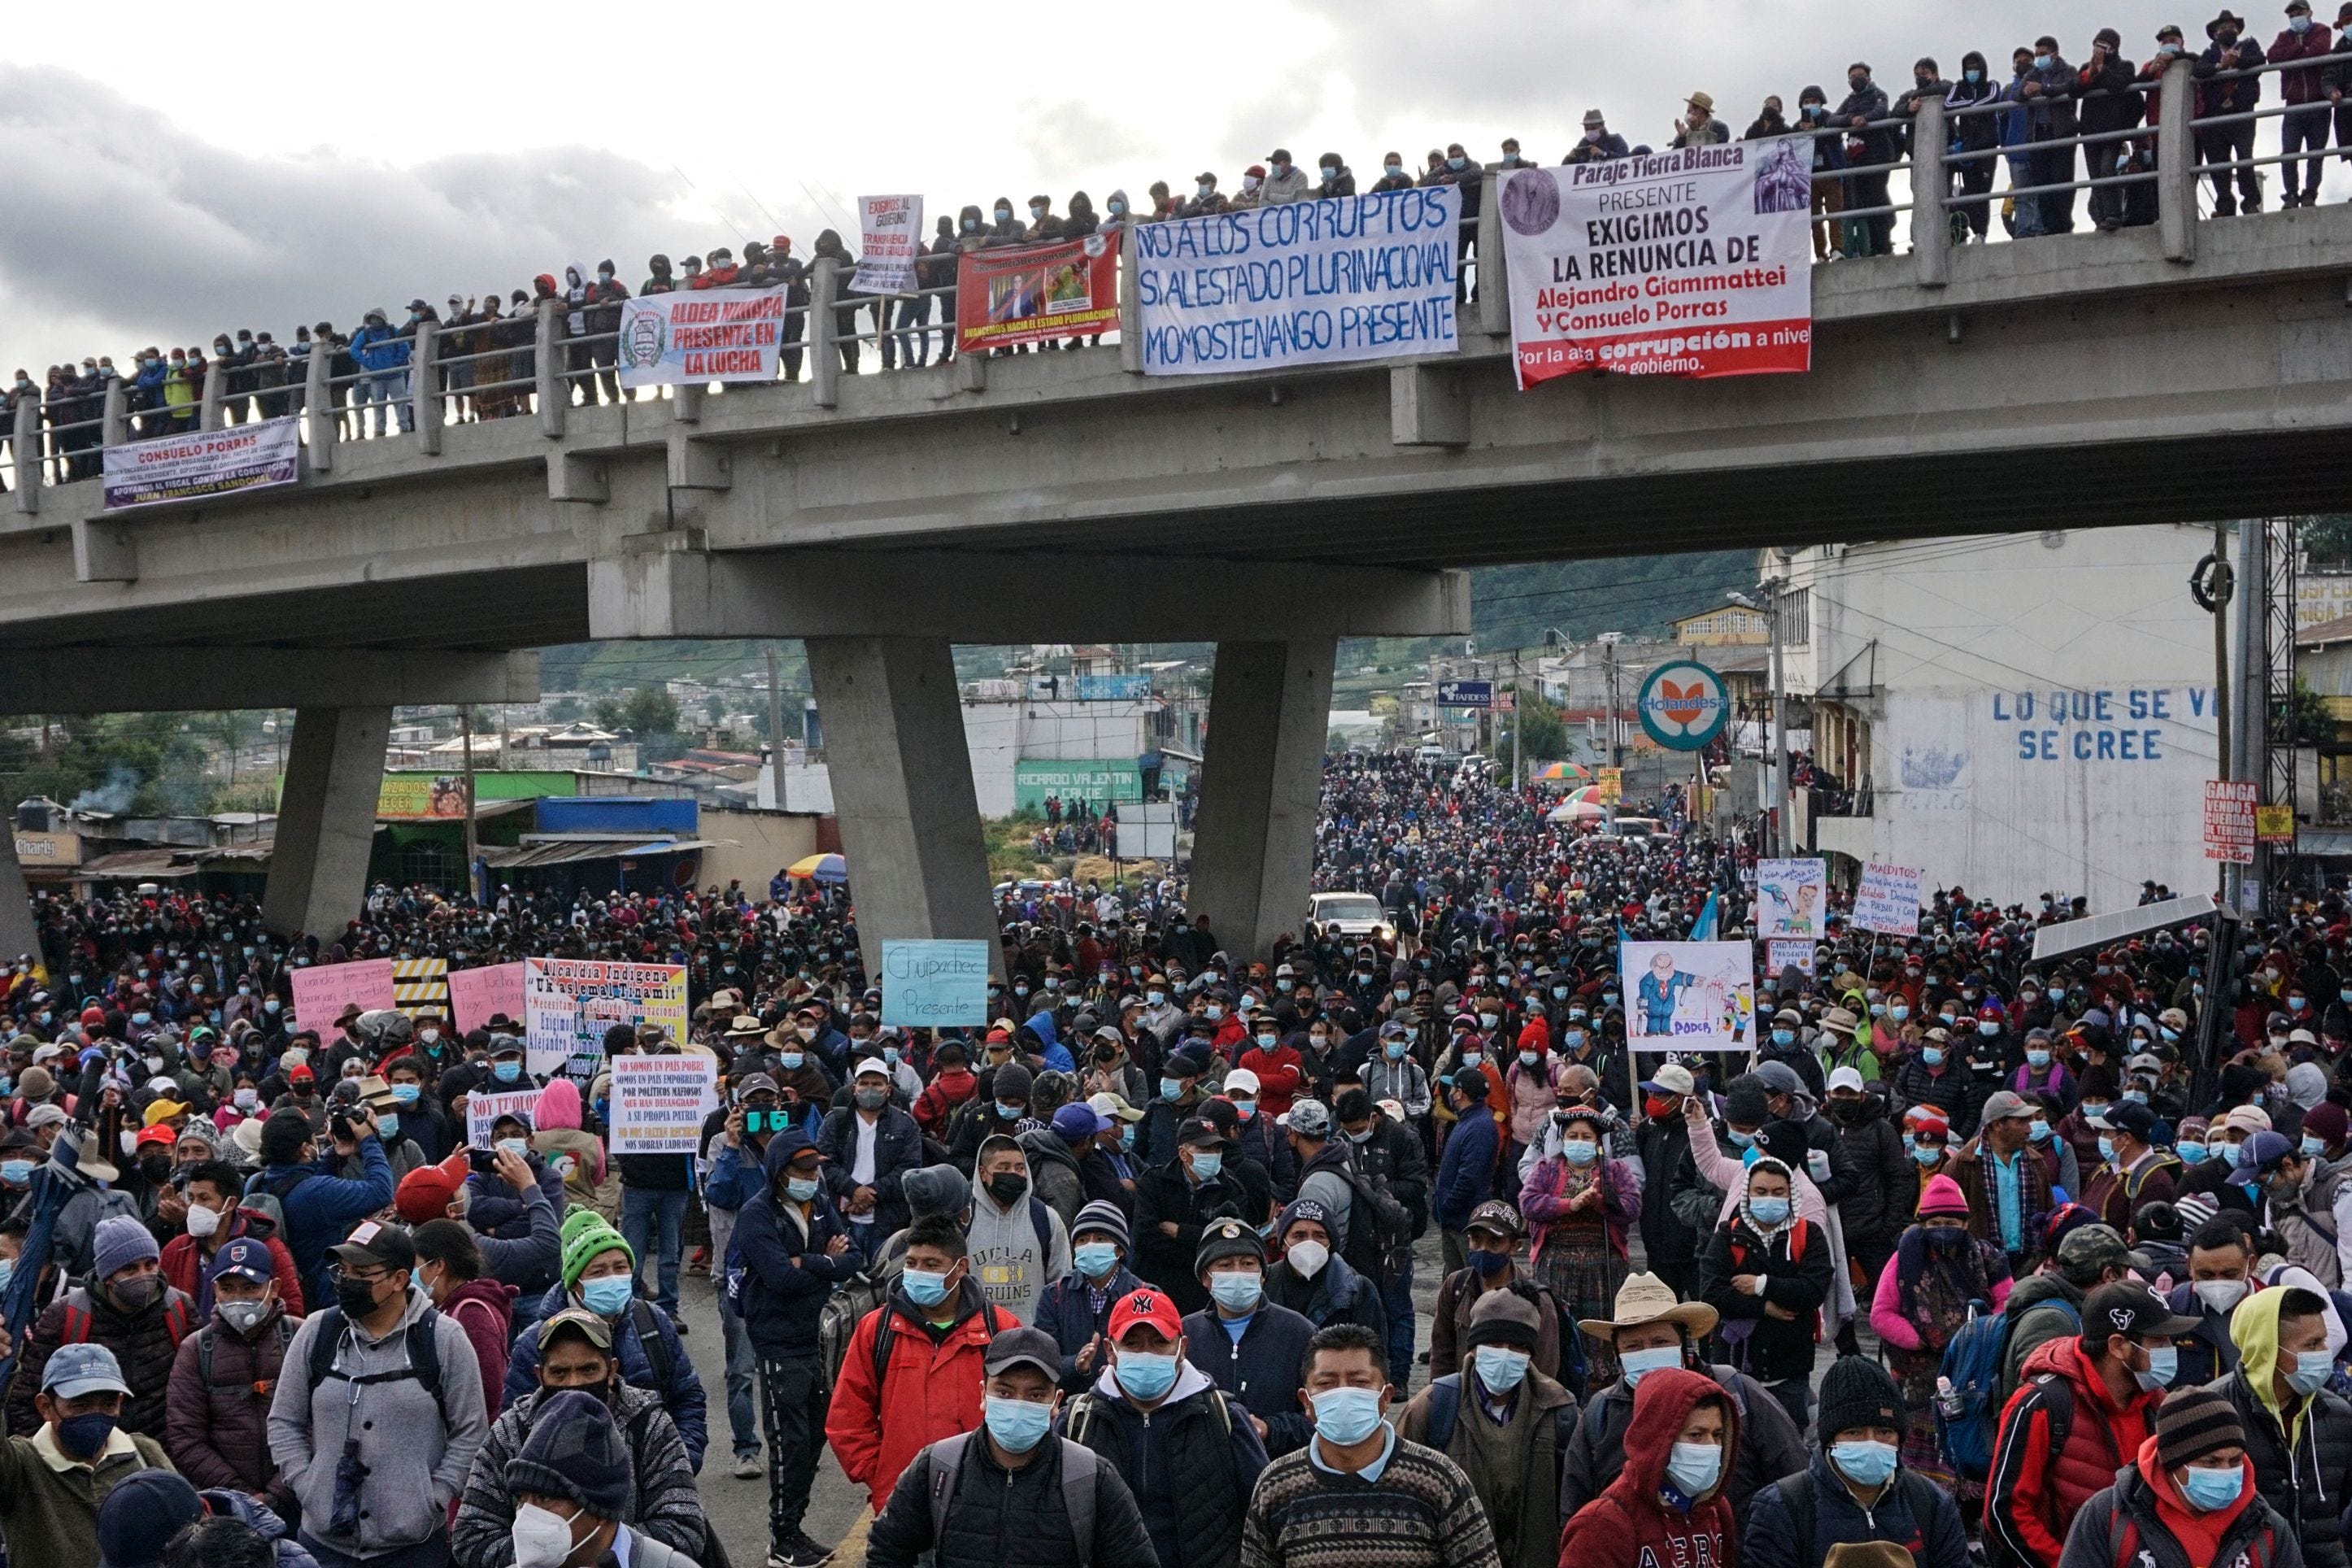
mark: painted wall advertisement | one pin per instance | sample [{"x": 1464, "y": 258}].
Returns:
[
  {"x": 1311, "y": 282},
  {"x": 1791, "y": 898},
  {"x": 569, "y": 1003},
  {"x": 1093, "y": 780},
  {"x": 701, "y": 335},
  {"x": 1037, "y": 293},
  {"x": 1696, "y": 262},
  {"x": 411, "y": 797},
  {"x": 659, "y": 1102},
  {"x": 933, "y": 983},
  {"x": 889, "y": 237},
  {"x": 1887, "y": 900},
  {"x": 200, "y": 463},
  {"x": 1688, "y": 996}
]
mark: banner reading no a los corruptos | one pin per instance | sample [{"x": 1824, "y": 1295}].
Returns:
[{"x": 1690, "y": 263}]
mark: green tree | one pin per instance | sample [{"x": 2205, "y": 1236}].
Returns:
[{"x": 649, "y": 711}]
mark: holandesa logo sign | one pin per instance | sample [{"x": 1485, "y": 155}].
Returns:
[{"x": 1682, "y": 705}]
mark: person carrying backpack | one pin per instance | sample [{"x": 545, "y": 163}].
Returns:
[
  {"x": 1010, "y": 1495},
  {"x": 1767, "y": 1272},
  {"x": 126, "y": 1307},
  {"x": 2187, "y": 1495},
  {"x": 215, "y": 1424},
  {"x": 1506, "y": 1425},
  {"x": 1855, "y": 1489},
  {"x": 1941, "y": 1280},
  {"x": 320, "y": 1205}
]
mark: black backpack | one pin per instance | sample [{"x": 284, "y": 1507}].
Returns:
[{"x": 424, "y": 1357}]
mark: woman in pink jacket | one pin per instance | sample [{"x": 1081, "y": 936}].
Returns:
[{"x": 1924, "y": 1297}]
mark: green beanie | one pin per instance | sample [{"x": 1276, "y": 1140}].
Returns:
[
  {"x": 583, "y": 1243},
  {"x": 579, "y": 1219}
]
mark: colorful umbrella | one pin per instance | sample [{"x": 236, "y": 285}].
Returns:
[
  {"x": 820, "y": 868},
  {"x": 1563, "y": 772}
]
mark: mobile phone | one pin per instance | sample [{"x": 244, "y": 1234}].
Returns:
[
  {"x": 483, "y": 1161},
  {"x": 766, "y": 1121}
]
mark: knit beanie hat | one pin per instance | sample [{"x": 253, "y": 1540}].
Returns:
[
  {"x": 581, "y": 1245},
  {"x": 575, "y": 1451},
  {"x": 940, "y": 1189},
  {"x": 141, "y": 1514},
  {"x": 1857, "y": 1392},
  {"x": 1100, "y": 1215},
  {"x": 1943, "y": 1196},
  {"x": 119, "y": 1242},
  {"x": 2326, "y": 1121},
  {"x": 2193, "y": 1422},
  {"x": 1503, "y": 1318},
  {"x": 1226, "y": 1238}
]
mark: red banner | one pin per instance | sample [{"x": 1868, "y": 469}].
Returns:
[{"x": 1037, "y": 293}]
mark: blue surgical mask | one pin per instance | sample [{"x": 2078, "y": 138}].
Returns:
[
  {"x": 1017, "y": 1424},
  {"x": 2207, "y": 1489},
  {"x": 2106, "y": 1147},
  {"x": 1932, "y": 1055},
  {"x": 1394, "y": 1050},
  {"x": 1657, "y": 1358},
  {"x": 1500, "y": 1368},
  {"x": 801, "y": 1189},
  {"x": 406, "y": 1093},
  {"x": 1743, "y": 1140},
  {"x": 2233, "y": 1154},
  {"x": 608, "y": 1296},
  {"x": 1145, "y": 1375},
  {"x": 1095, "y": 1259},
  {"x": 1768, "y": 1211},
  {"x": 2040, "y": 1130},
  {"x": 2191, "y": 1153},
  {"x": 507, "y": 1072},
  {"x": 2312, "y": 1148},
  {"x": 1973, "y": 75},
  {"x": 2310, "y": 1375},
  {"x": 1237, "y": 1291},
  {"x": 1579, "y": 1151},
  {"x": 1784, "y": 1036},
  {"x": 1926, "y": 1154},
  {"x": 1346, "y": 1417},
  {"x": 923, "y": 1288},
  {"x": 2037, "y": 1060},
  {"x": 1897, "y": 1011},
  {"x": 1170, "y": 1088},
  {"x": 1865, "y": 1462},
  {"x": 1695, "y": 1468},
  {"x": 387, "y": 1126},
  {"x": 1207, "y": 1164},
  {"x": 15, "y": 1173},
  {"x": 2163, "y": 1366},
  {"x": 1011, "y": 1112}
]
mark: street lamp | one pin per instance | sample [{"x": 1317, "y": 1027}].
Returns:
[{"x": 1770, "y": 611}]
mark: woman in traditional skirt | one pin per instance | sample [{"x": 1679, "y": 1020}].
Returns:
[
  {"x": 1941, "y": 1275},
  {"x": 1580, "y": 1205}
]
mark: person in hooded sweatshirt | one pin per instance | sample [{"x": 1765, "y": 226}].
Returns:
[
  {"x": 2297, "y": 1432},
  {"x": 1666, "y": 1504},
  {"x": 2186, "y": 1495}
]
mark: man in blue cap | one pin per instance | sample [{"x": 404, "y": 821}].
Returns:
[{"x": 52, "y": 1483}]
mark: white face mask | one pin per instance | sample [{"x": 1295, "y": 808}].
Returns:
[
  {"x": 1308, "y": 1257},
  {"x": 542, "y": 1537},
  {"x": 203, "y": 1220},
  {"x": 2220, "y": 1295}
]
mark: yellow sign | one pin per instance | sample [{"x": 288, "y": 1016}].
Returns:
[
  {"x": 408, "y": 797},
  {"x": 2275, "y": 824},
  {"x": 1612, "y": 785},
  {"x": 37, "y": 849}
]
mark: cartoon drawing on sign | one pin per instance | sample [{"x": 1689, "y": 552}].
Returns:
[
  {"x": 1792, "y": 910},
  {"x": 1661, "y": 993},
  {"x": 1784, "y": 182}
]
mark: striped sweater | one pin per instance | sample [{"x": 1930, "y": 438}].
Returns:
[{"x": 1420, "y": 1514}]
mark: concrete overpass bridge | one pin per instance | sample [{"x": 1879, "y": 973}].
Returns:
[{"x": 2181, "y": 372}]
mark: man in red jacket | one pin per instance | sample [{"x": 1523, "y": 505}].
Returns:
[
  {"x": 2304, "y": 125},
  {"x": 2086, "y": 1406},
  {"x": 214, "y": 1220}
]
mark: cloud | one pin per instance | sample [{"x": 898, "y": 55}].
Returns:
[
  {"x": 121, "y": 222},
  {"x": 1067, "y": 134}
]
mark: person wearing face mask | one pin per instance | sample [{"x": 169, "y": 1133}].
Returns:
[
  {"x": 573, "y": 1496},
  {"x": 1467, "y": 1166},
  {"x": 1861, "y": 117},
  {"x": 1075, "y": 1309},
  {"x": 2132, "y": 1170},
  {"x": 318, "y": 1205},
  {"x": 2008, "y": 1187},
  {"x": 1668, "y": 1502},
  {"x": 128, "y": 1308},
  {"x": 868, "y": 1145},
  {"x": 1182, "y": 1086},
  {"x": 55, "y": 1482},
  {"x": 377, "y": 1413},
  {"x": 2190, "y": 1493},
  {"x": 1494, "y": 1235},
  {"x": 2087, "y": 1402},
  {"x": 1921, "y": 1304},
  {"x": 2217, "y": 1274},
  {"x": 1017, "y": 1242},
  {"x": 1278, "y": 1064},
  {"x": 1393, "y": 175},
  {"x": 1853, "y": 1491},
  {"x": 215, "y": 1420},
  {"x": 2219, "y": 94},
  {"x": 577, "y": 1363},
  {"x": 1768, "y": 1268},
  {"x": 2305, "y": 1196},
  {"x": 1513, "y": 1460},
  {"x": 216, "y": 1217},
  {"x": 1285, "y": 180},
  {"x": 2298, "y": 1430}
]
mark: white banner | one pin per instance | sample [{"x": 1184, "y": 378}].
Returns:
[
  {"x": 700, "y": 335},
  {"x": 889, "y": 237},
  {"x": 203, "y": 463},
  {"x": 1791, "y": 897},
  {"x": 659, "y": 1102},
  {"x": 1688, "y": 996},
  {"x": 569, "y": 1003},
  {"x": 1888, "y": 901},
  {"x": 483, "y": 1110},
  {"x": 1689, "y": 263},
  {"x": 1313, "y": 283}
]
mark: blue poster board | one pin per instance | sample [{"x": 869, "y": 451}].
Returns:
[{"x": 934, "y": 985}]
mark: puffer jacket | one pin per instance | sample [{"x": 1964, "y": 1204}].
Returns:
[
  {"x": 145, "y": 1343},
  {"x": 2033, "y": 1491},
  {"x": 2302, "y": 1461},
  {"x": 928, "y": 1390},
  {"x": 217, "y": 1433},
  {"x": 1012, "y": 1519},
  {"x": 2131, "y": 1510},
  {"x": 1632, "y": 1521},
  {"x": 1189, "y": 1464},
  {"x": 1920, "y": 1518},
  {"x": 683, "y": 1397},
  {"x": 898, "y": 1149},
  {"x": 662, "y": 1502}
]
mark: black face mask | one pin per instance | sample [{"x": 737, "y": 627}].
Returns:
[
  {"x": 355, "y": 1296},
  {"x": 1008, "y": 1187},
  {"x": 156, "y": 1168}
]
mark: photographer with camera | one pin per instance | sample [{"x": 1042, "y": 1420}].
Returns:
[{"x": 320, "y": 1205}]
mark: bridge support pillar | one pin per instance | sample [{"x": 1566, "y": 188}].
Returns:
[
  {"x": 902, "y": 790},
  {"x": 16, "y": 934},
  {"x": 326, "y": 820},
  {"x": 1254, "y": 849}
]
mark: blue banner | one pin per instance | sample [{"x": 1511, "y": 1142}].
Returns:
[
  {"x": 1312, "y": 282},
  {"x": 1477, "y": 694},
  {"x": 934, "y": 985}
]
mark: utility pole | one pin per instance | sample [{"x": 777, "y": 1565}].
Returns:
[
  {"x": 1609, "y": 663},
  {"x": 1517, "y": 718},
  {"x": 2249, "y": 736},
  {"x": 776, "y": 734},
  {"x": 473, "y": 843}
]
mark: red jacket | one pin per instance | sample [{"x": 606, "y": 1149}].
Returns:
[
  {"x": 939, "y": 1100},
  {"x": 928, "y": 1392},
  {"x": 1632, "y": 1521},
  {"x": 184, "y": 1263},
  {"x": 485, "y": 1310},
  {"x": 1281, "y": 1072},
  {"x": 2300, "y": 84},
  {"x": 2033, "y": 1494}
]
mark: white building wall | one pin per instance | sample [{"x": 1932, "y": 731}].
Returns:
[{"x": 2042, "y": 706}]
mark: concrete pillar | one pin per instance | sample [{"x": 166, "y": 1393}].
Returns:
[
  {"x": 902, "y": 789},
  {"x": 116, "y": 415},
  {"x": 1131, "y": 300},
  {"x": 554, "y": 392},
  {"x": 825, "y": 356},
  {"x": 1931, "y": 187},
  {"x": 424, "y": 391},
  {"x": 212, "y": 407},
  {"x": 16, "y": 934},
  {"x": 1494, "y": 286},
  {"x": 1262, "y": 772},
  {"x": 326, "y": 820},
  {"x": 318, "y": 406},
  {"x": 2176, "y": 163},
  {"x": 25, "y": 455}
]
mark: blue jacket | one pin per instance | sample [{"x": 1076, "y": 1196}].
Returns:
[
  {"x": 321, "y": 1207},
  {"x": 1050, "y": 1048},
  {"x": 1262, "y": 1371},
  {"x": 1466, "y": 1172},
  {"x": 375, "y": 347},
  {"x": 733, "y": 1181},
  {"x": 684, "y": 1398},
  {"x": 1065, "y": 1311},
  {"x": 787, "y": 1276},
  {"x": 1769, "y": 1538}
]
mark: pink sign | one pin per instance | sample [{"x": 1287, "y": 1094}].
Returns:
[
  {"x": 475, "y": 993},
  {"x": 322, "y": 990}
]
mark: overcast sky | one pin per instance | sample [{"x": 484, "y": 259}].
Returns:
[{"x": 174, "y": 171}]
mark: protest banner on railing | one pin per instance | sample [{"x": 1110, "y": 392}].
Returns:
[
  {"x": 199, "y": 463},
  {"x": 889, "y": 237},
  {"x": 1313, "y": 283},
  {"x": 569, "y": 1003},
  {"x": 1696, "y": 262},
  {"x": 658, "y": 1103},
  {"x": 1688, "y": 996},
  {"x": 483, "y": 1110},
  {"x": 700, "y": 335},
  {"x": 1037, "y": 293},
  {"x": 477, "y": 995},
  {"x": 321, "y": 992},
  {"x": 1887, "y": 900}
]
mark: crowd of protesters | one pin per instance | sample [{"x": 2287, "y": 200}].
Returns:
[
  {"x": 483, "y": 347},
  {"x": 1971, "y": 1251}
]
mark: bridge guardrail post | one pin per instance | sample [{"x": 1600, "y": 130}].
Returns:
[
  {"x": 1493, "y": 283},
  {"x": 824, "y": 351},
  {"x": 25, "y": 453},
  {"x": 114, "y": 428},
  {"x": 213, "y": 401},
  {"x": 1130, "y": 303},
  {"x": 424, "y": 391},
  {"x": 547, "y": 368},
  {"x": 1931, "y": 191},
  {"x": 318, "y": 406},
  {"x": 2176, "y": 163}
]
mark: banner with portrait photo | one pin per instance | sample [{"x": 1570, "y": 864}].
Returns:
[
  {"x": 1791, "y": 898},
  {"x": 1037, "y": 293},
  {"x": 1688, "y": 996},
  {"x": 1696, "y": 262}
]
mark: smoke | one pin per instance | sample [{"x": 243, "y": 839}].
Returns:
[{"x": 120, "y": 788}]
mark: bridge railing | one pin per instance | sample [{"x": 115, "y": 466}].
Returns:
[{"x": 1949, "y": 200}]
